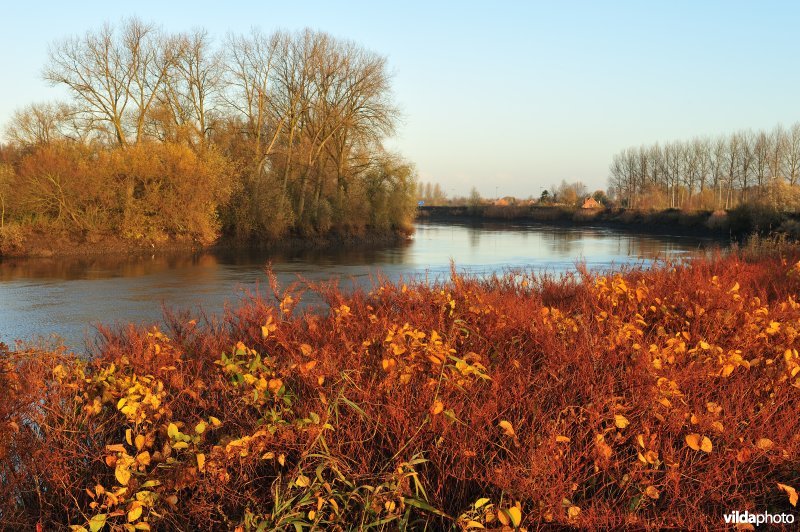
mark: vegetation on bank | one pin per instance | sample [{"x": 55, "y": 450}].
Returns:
[
  {"x": 642, "y": 399},
  {"x": 172, "y": 137},
  {"x": 740, "y": 222},
  {"x": 746, "y": 167}
]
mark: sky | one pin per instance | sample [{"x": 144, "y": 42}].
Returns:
[{"x": 508, "y": 97}]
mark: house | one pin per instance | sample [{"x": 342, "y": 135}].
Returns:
[
  {"x": 506, "y": 201},
  {"x": 591, "y": 203}
]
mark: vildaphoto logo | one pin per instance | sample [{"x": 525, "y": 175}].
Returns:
[{"x": 765, "y": 518}]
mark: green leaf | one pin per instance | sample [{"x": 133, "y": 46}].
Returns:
[
  {"x": 422, "y": 505},
  {"x": 97, "y": 522}
]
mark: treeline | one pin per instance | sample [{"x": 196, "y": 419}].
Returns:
[
  {"x": 179, "y": 136},
  {"x": 712, "y": 173}
]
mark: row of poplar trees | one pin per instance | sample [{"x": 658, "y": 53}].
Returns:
[{"x": 712, "y": 173}]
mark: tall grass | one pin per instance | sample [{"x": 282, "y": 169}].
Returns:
[{"x": 645, "y": 399}]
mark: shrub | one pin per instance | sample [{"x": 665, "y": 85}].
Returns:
[{"x": 644, "y": 399}]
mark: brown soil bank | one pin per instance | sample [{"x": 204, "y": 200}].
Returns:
[{"x": 734, "y": 223}]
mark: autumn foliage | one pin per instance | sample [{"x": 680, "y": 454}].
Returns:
[{"x": 645, "y": 399}]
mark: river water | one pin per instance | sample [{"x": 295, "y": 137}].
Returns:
[{"x": 63, "y": 299}]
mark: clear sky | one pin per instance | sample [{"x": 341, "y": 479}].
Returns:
[{"x": 506, "y": 96}]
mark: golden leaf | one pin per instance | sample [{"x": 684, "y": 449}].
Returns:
[
  {"x": 275, "y": 385},
  {"x": 302, "y": 481},
  {"x": 652, "y": 492},
  {"x": 135, "y": 512},
  {"x": 791, "y": 492},
  {"x": 508, "y": 429},
  {"x": 139, "y": 441},
  {"x": 699, "y": 443},
  {"x": 562, "y": 439},
  {"x": 128, "y": 436},
  {"x": 201, "y": 461},
  {"x": 143, "y": 458},
  {"x": 765, "y": 444},
  {"x": 122, "y": 474},
  {"x": 436, "y": 407},
  {"x": 621, "y": 421},
  {"x": 172, "y": 430},
  {"x": 200, "y": 427},
  {"x": 573, "y": 511},
  {"x": 515, "y": 513},
  {"x": 214, "y": 421}
]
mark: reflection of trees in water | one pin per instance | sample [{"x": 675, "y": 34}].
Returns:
[
  {"x": 474, "y": 236},
  {"x": 101, "y": 266},
  {"x": 322, "y": 256},
  {"x": 564, "y": 242}
]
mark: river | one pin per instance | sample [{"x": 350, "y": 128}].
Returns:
[{"x": 62, "y": 299}]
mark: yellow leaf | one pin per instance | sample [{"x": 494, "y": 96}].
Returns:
[
  {"x": 172, "y": 430},
  {"x": 305, "y": 349},
  {"x": 200, "y": 427},
  {"x": 621, "y": 422},
  {"x": 765, "y": 444},
  {"x": 652, "y": 492},
  {"x": 116, "y": 448},
  {"x": 302, "y": 481},
  {"x": 791, "y": 492},
  {"x": 143, "y": 458},
  {"x": 481, "y": 502},
  {"x": 97, "y": 522},
  {"x": 201, "y": 461},
  {"x": 214, "y": 421},
  {"x": 516, "y": 516},
  {"x": 135, "y": 512},
  {"x": 139, "y": 441},
  {"x": 562, "y": 439},
  {"x": 473, "y": 524},
  {"x": 436, "y": 407},
  {"x": 508, "y": 429},
  {"x": 180, "y": 445},
  {"x": 503, "y": 517},
  {"x": 123, "y": 475},
  {"x": 128, "y": 436},
  {"x": 697, "y": 442},
  {"x": 573, "y": 512}
]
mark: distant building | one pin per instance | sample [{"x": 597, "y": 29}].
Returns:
[
  {"x": 506, "y": 201},
  {"x": 591, "y": 203}
]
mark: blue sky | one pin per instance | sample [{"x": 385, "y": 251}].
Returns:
[{"x": 506, "y": 96}]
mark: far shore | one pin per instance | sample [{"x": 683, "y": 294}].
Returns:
[
  {"x": 721, "y": 225},
  {"x": 728, "y": 225}
]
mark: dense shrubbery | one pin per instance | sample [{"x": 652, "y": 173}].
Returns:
[
  {"x": 171, "y": 136},
  {"x": 648, "y": 399}
]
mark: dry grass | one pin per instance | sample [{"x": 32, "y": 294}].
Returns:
[{"x": 647, "y": 399}]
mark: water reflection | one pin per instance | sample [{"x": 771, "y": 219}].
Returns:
[{"x": 67, "y": 296}]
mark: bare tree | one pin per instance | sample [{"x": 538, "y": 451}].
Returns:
[{"x": 113, "y": 74}]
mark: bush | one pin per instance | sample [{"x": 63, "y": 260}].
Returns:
[{"x": 645, "y": 399}]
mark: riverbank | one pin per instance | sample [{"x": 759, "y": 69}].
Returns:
[
  {"x": 733, "y": 225},
  {"x": 26, "y": 242},
  {"x": 652, "y": 399}
]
